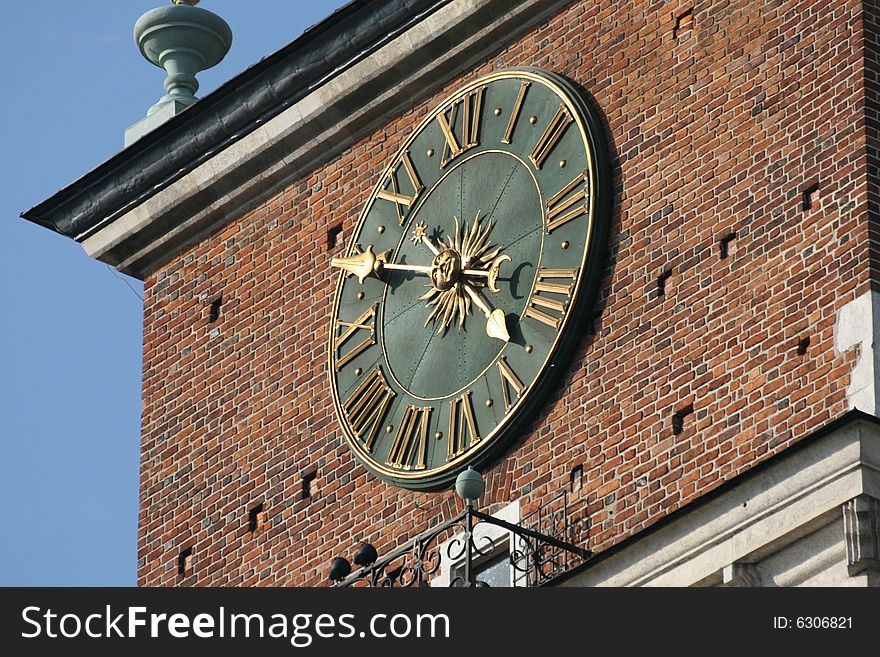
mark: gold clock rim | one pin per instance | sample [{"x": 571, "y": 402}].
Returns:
[{"x": 486, "y": 441}]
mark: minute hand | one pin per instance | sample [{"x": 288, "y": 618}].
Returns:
[{"x": 362, "y": 264}]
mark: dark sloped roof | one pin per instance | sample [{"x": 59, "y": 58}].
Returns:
[{"x": 226, "y": 115}]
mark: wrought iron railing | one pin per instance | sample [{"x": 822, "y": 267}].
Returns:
[{"x": 539, "y": 550}]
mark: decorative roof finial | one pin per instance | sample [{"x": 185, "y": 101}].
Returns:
[{"x": 183, "y": 40}]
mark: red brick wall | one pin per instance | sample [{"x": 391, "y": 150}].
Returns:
[
  {"x": 717, "y": 127},
  {"x": 872, "y": 130}
]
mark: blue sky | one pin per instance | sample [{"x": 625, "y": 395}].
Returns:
[{"x": 70, "y": 327}]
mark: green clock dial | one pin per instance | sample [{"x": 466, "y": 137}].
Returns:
[{"x": 465, "y": 284}]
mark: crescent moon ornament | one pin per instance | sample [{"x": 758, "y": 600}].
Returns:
[{"x": 494, "y": 271}]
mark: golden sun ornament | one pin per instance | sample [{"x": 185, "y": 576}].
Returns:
[{"x": 461, "y": 268}]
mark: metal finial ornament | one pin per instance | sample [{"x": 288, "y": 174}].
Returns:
[
  {"x": 469, "y": 485},
  {"x": 183, "y": 40}
]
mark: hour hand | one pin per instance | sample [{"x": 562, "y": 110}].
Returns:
[
  {"x": 496, "y": 322},
  {"x": 362, "y": 264}
]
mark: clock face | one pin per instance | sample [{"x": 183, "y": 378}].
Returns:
[{"x": 464, "y": 287}]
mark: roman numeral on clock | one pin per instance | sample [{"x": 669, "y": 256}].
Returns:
[
  {"x": 570, "y": 202},
  {"x": 471, "y": 114},
  {"x": 546, "y": 306},
  {"x": 558, "y": 125},
  {"x": 509, "y": 381},
  {"x": 462, "y": 427},
  {"x": 366, "y": 322},
  {"x": 367, "y": 406},
  {"x": 402, "y": 202},
  {"x": 517, "y": 108},
  {"x": 410, "y": 448}
]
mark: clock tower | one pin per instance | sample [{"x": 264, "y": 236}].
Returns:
[{"x": 617, "y": 257}]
